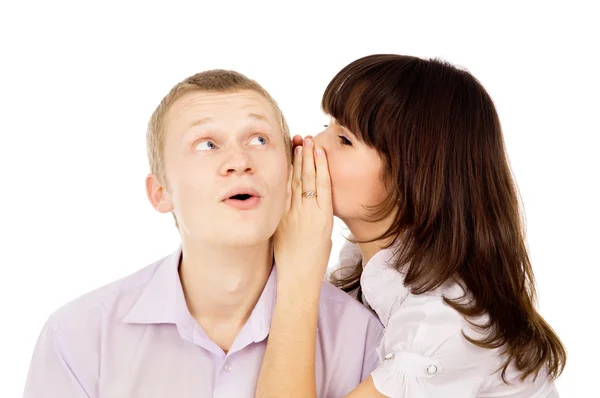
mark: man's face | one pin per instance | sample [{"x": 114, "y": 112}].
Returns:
[{"x": 226, "y": 168}]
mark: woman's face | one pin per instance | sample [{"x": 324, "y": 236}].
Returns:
[{"x": 356, "y": 173}]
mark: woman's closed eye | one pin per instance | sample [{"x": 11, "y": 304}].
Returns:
[{"x": 344, "y": 140}]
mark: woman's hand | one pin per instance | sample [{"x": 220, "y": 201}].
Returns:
[{"x": 302, "y": 242}]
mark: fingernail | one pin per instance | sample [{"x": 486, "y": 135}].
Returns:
[
  {"x": 319, "y": 152},
  {"x": 308, "y": 143},
  {"x": 298, "y": 149}
]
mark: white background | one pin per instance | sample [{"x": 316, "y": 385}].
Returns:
[{"x": 79, "y": 81}]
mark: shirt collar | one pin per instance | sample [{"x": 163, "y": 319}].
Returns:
[
  {"x": 261, "y": 316},
  {"x": 162, "y": 301},
  {"x": 159, "y": 299}
]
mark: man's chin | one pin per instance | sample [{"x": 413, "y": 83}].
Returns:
[{"x": 240, "y": 238}]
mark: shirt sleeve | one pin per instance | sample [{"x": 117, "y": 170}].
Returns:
[
  {"x": 373, "y": 340},
  {"x": 51, "y": 373},
  {"x": 424, "y": 354}
]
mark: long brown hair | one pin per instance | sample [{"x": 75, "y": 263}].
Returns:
[{"x": 454, "y": 202}]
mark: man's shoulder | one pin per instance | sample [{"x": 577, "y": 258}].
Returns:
[
  {"x": 338, "y": 304},
  {"x": 111, "y": 300}
]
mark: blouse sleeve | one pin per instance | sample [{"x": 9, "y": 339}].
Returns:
[{"x": 424, "y": 353}]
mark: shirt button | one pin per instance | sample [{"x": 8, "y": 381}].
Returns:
[
  {"x": 227, "y": 367},
  {"x": 432, "y": 369},
  {"x": 389, "y": 356}
]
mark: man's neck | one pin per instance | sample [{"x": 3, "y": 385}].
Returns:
[{"x": 222, "y": 286}]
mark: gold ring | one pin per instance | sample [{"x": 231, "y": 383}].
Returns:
[{"x": 309, "y": 194}]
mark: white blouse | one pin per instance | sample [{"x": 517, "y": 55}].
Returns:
[{"x": 423, "y": 352}]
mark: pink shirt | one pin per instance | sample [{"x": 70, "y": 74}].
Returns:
[{"x": 136, "y": 338}]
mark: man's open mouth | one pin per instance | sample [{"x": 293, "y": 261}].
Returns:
[
  {"x": 245, "y": 200},
  {"x": 242, "y": 196}
]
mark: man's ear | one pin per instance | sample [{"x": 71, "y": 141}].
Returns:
[{"x": 158, "y": 195}]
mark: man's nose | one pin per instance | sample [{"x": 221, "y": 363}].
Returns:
[{"x": 237, "y": 162}]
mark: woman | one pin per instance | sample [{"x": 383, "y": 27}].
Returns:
[{"x": 420, "y": 176}]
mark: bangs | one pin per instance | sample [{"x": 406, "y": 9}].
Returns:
[
  {"x": 345, "y": 100},
  {"x": 359, "y": 97}
]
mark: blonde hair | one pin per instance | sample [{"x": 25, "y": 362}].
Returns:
[{"x": 217, "y": 80}]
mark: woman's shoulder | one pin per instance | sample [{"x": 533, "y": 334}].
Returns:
[
  {"x": 428, "y": 345},
  {"x": 428, "y": 341},
  {"x": 426, "y": 349}
]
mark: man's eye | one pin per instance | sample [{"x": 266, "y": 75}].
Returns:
[
  {"x": 259, "y": 140},
  {"x": 206, "y": 145}
]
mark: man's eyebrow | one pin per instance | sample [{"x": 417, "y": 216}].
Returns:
[
  {"x": 252, "y": 116},
  {"x": 199, "y": 122},
  {"x": 258, "y": 117}
]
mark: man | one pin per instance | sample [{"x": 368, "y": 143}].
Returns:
[{"x": 195, "y": 323}]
